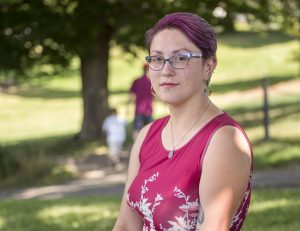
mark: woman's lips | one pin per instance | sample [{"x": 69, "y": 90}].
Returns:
[{"x": 168, "y": 85}]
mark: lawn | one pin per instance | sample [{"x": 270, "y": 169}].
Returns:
[
  {"x": 39, "y": 118},
  {"x": 271, "y": 209},
  {"x": 53, "y": 107}
]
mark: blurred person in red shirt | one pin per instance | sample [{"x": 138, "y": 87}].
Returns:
[{"x": 141, "y": 92}]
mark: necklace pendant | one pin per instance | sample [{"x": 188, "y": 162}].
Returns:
[{"x": 171, "y": 153}]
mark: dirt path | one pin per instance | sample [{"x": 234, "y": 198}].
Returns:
[{"x": 110, "y": 181}]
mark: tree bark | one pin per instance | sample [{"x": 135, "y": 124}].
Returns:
[
  {"x": 228, "y": 22},
  {"x": 94, "y": 75}
]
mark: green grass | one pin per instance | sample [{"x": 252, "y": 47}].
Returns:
[
  {"x": 54, "y": 107},
  {"x": 34, "y": 162},
  {"x": 269, "y": 61},
  {"x": 274, "y": 209},
  {"x": 34, "y": 111},
  {"x": 40, "y": 117},
  {"x": 86, "y": 213},
  {"x": 271, "y": 209}
]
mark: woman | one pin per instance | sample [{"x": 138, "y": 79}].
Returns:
[{"x": 192, "y": 169}]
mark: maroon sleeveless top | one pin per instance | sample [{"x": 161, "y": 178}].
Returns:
[{"x": 165, "y": 192}]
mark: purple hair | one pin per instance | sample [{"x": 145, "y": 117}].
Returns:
[{"x": 199, "y": 31}]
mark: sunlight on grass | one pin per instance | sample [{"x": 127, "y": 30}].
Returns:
[
  {"x": 267, "y": 205},
  {"x": 77, "y": 215},
  {"x": 72, "y": 83},
  {"x": 80, "y": 213},
  {"x": 285, "y": 154},
  {"x": 286, "y": 127},
  {"x": 236, "y": 64},
  {"x": 35, "y": 118},
  {"x": 274, "y": 209},
  {"x": 270, "y": 209},
  {"x": 2, "y": 222},
  {"x": 59, "y": 214},
  {"x": 56, "y": 109},
  {"x": 40, "y": 117}
]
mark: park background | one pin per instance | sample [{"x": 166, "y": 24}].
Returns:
[{"x": 63, "y": 63}]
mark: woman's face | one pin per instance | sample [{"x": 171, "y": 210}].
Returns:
[{"x": 176, "y": 86}]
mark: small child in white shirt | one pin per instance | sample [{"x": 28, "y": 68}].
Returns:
[{"x": 115, "y": 129}]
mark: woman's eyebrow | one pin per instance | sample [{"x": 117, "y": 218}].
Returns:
[
  {"x": 181, "y": 49},
  {"x": 156, "y": 52},
  {"x": 174, "y": 52}
]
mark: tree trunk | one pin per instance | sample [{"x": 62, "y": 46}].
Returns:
[
  {"x": 228, "y": 22},
  {"x": 94, "y": 75}
]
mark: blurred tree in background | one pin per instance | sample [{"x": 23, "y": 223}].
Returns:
[{"x": 35, "y": 32}]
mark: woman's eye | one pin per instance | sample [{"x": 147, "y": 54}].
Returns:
[
  {"x": 157, "y": 59},
  {"x": 181, "y": 58}
]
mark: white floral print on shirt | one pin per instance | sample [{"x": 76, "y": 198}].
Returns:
[
  {"x": 186, "y": 222},
  {"x": 144, "y": 206}
]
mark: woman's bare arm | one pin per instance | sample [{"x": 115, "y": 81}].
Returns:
[{"x": 224, "y": 180}]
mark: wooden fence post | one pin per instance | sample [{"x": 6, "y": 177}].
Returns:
[{"x": 266, "y": 120}]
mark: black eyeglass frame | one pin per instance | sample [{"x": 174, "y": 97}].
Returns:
[{"x": 189, "y": 55}]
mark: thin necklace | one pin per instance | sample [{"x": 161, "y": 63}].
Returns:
[{"x": 172, "y": 152}]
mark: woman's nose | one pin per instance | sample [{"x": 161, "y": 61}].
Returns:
[{"x": 168, "y": 70}]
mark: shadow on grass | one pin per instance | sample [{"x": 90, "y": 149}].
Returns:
[
  {"x": 85, "y": 213},
  {"x": 52, "y": 145},
  {"x": 274, "y": 209},
  {"x": 222, "y": 88},
  {"x": 248, "y": 85},
  {"x": 49, "y": 93},
  {"x": 35, "y": 161},
  {"x": 270, "y": 209},
  {"x": 250, "y": 117},
  {"x": 277, "y": 153},
  {"x": 253, "y": 39},
  {"x": 42, "y": 92}
]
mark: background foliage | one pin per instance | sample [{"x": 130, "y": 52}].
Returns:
[
  {"x": 39, "y": 118},
  {"x": 44, "y": 47},
  {"x": 55, "y": 31}
]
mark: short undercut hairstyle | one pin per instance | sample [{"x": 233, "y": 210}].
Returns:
[{"x": 195, "y": 28}]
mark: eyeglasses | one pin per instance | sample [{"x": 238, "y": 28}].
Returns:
[{"x": 178, "y": 61}]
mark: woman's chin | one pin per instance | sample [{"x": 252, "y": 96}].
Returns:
[{"x": 171, "y": 100}]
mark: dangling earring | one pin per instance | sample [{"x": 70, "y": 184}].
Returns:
[{"x": 207, "y": 90}]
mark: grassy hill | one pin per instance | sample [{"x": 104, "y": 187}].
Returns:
[{"x": 38, "y": 118}]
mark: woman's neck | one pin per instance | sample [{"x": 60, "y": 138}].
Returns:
[{"x": 184, "y": 114}]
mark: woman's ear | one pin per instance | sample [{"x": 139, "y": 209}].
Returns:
[{"x": 210, "y": 65}]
